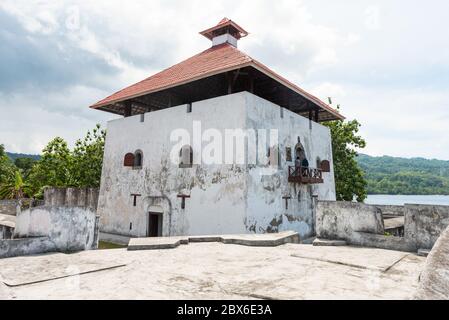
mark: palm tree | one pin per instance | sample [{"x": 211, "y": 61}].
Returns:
[{"x": 15, "y": 189}]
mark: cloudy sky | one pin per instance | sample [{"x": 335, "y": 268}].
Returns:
[{"x": 385, "y": 62}]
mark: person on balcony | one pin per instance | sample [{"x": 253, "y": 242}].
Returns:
[
  {"x": 297, "y": 166},
  {"x": 305, "y": 163},
  {"x": 305, "y": 167}
]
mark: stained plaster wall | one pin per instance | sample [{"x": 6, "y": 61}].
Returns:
[
  {"x": 434, "y": 280},
  {"x": 68, "y": 228},
  {"x": 424, "y": 224},
  {"x": 223, "y": 198},
  {"x": 217, "y": 202},
  {"x": 9, "y": 207},
  {"x": 266, "y": 209},
  {"x": 362, "y": 224}
]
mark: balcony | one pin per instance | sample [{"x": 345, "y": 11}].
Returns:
[{"x": 305, "y": 175}]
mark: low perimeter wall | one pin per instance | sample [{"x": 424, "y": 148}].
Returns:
[
  {"x": 66, "y": 222},
  {"x": 424, "y": 224},
  {"x": 434, "y": 280},
  {"x": 27, "y": 246},
  {"x": 9, "y": 207},
  {"x": 362, "y": 224},
  {"x": 71, "y": 197},
  {"x": 339, "y": 220},
  {"x": 391, "y": 210},
  {"x": 69, "y": 228}
]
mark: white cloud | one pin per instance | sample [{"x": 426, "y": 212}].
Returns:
[
  {"x": 384, "y": 62},
  {"x": 35, "y": 118},
  {"x": 372, "y": 18},
  {"x": 398, "y": 122}
]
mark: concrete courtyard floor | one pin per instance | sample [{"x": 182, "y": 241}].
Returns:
[{"x": 214, "y": 271}]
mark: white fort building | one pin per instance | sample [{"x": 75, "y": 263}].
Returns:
[{"x": 215, "y": 145}]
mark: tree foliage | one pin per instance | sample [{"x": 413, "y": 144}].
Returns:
[
  {"x": 54, "y": 168},
  {"x": 6, "y": 167},
  {"x": 16, "y": 188},
  {"x": 58, "y": 166},
  {"x": 88, "y": 159},
  {"x": 417, "y": 176},
  {"x": 25, "y": 165},
  {"x": 349, "y": 178}
]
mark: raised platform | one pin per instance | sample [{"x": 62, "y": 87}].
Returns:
[
  {"x": 257, "y": 240},
  {"x": 114, "y": 238},
  {"x": 328, "y": 243},
  {"x": 212, "y": 270},
  {"x": 423, "y": 252}
]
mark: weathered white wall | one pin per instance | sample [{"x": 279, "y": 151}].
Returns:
[
  {"x": 71, "y": 197},
  {"x": 9, "y": 207},
  {"x": 340, "y": 219},
  {"x": 266, "y": 209},
  {"x": 224, "y": 198},
  {"x": 25, "y": 246},
  {"x": 424, "y": 223},
  {"x": 362, "y": 224},
  {"x": 217, "y": 192},
  {"x": 434, "y": 280},
  {"x": 68, "y": 228}
]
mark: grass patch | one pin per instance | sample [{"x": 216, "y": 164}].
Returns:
[{"x": 108, "y": 245}]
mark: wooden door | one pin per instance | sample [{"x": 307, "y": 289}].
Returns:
[{"x": 153, "y": 225}]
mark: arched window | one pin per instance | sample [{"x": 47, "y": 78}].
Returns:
[
  {"x": 128, "y": 161},
  {"x": 325, "y": 166},
  {"x": 300, "y": 151},
  {"x": 186, "y": 157},
  {"x": 138, "y": 158},
  {"x": 318, "y": 162}
]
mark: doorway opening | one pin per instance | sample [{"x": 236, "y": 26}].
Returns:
[{"x": 154, "y": 224}]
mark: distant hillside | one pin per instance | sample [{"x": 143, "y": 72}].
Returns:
[
  {"x": 391, "y": 175},
  {"x": 14, "y": 156}
]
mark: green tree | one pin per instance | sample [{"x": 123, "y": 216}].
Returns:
[
  {"x": 349, "y": 178},
  {"x": 390, "y": 175},
  {"x": 54, "y": 168},
  {"x": 61, "y": 167},
  {"x": 15, "y": 189},
  {"x": 6, "y": 166},
  {"x": 25, "y": 165},
  {"x": 88, "y": 158}
]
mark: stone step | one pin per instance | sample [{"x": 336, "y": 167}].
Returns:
[
  {"x": 328, "y": 243},
  {"x": 260, "y": 240},
  {"x": 423, "y": 252}
]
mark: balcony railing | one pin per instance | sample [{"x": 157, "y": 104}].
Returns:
[{"x": 305, "y": 175}]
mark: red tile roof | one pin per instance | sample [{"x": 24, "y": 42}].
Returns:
[
  {"x": 215, "y": 60},
  {"x": 225, "y": 22}
]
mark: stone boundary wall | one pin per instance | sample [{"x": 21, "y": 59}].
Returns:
[
  {"x": 434, "y": 280},
  {"x": 339, "y": 220},
  {"x": 9, "y": 207},
  {"x": 424, "y": 224},
  {"x": 69, "y": 228},
  {"x": 71, "y": 197},
  {"x": 362, "y": 224},
  {"x": 65, "y": 222},
  {"x": 391, "y": 210},
  {"x": 25, "y": 246}
]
